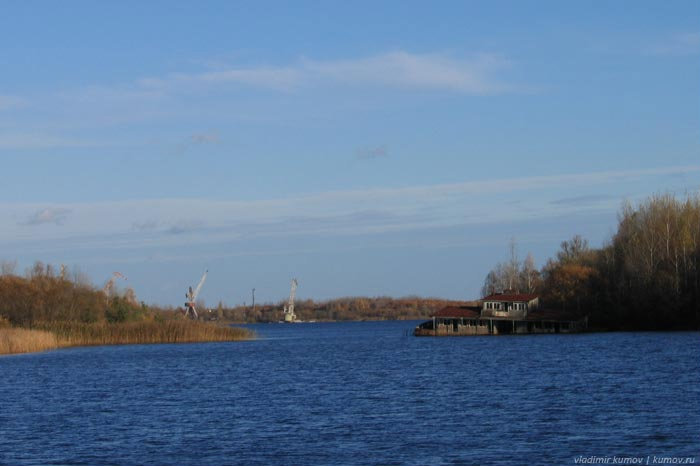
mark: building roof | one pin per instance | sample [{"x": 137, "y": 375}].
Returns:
[
  {"x": 501, "y": 297},
  {"x": 459, "y": 311}
]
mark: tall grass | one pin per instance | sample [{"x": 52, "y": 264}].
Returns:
[
  {"x": 51, "y": 335},
  {"x": 20, "y": 340},
  {"x": 169, "y": 331}
]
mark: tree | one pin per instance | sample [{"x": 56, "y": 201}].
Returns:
[
  {"x": 512, "y": 275},
  {"x": 573, "y": 250},
  {"x": 567, "y": 284},
  {"x": 529, "y": 275}
]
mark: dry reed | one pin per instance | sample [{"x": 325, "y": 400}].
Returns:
[
  {"x": 51, "y": 335},
  {"x": 20, "y": 340}
]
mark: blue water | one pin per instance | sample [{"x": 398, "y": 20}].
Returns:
[{"x": 360, "y": 393}]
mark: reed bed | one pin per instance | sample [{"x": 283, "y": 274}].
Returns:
[
  {"x": 52, "y": 335},
  {"x": 20, "y": 340}
]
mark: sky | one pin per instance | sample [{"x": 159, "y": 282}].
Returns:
[{"x": 366, "y": 148}]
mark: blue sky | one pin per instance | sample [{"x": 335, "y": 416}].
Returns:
[{"x": 367, "y": 148}]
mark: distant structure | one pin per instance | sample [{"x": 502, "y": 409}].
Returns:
[
  {"x": 501, "y": 314},
  {"x": 191, "y": 297},
  {"x": 289, "y": 315},
  {"x": 109, "y": 286}
]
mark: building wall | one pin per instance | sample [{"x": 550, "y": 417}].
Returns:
[
  {"x": 463, "y": 327},
  {"x": 447, "y": 329},
  {"x": 466, "y": 329}
]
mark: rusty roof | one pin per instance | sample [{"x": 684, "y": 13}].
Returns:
[{"x": 459, "y": 311}]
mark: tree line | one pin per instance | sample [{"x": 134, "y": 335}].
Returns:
[
  {"x": 45, "y": 294},
  {"x": 342, "y": 309},
  {"x": 647, "y": 276}
]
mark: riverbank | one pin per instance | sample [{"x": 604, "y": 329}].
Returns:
[{"x": 54, "y": 335}]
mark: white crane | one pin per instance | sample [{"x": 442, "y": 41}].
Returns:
[
  {"x": 289, "y": 315},
  {"x": 191, "y": 297},
  {"x": 109, "y": 286}
]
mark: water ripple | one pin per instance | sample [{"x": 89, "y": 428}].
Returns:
[{"x": 354, "y": 393}]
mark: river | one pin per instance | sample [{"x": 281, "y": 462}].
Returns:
[{"x": 360, "y": 393}]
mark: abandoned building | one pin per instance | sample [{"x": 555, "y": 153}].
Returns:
[{"x": 501, "y": 314}]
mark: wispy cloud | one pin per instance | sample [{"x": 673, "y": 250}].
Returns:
[
  {"x": 184, "y": 226},
  {"x": 161, "y": 97},
  {"x": 686, "y": 43},
  {"x": 148, "y": 225},
  {"x": 398, "y": 70},
  {"x": 582, "y": 200},
  {"x": 375, "y": 152},
  {"x": 416, "y": 71},
  {"x": 210, "y": 137},
  {"x": 161, "y": 222},
  {"x": 55, "y": 215},
  {"x": 197, "y": 139}
]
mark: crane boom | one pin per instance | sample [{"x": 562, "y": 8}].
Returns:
[
  {"x": 292, "y": 295},
  {"x": 199, "y": 286},
  {"x": 289, "y": 315},
  {"x": 191, "y": 297}
]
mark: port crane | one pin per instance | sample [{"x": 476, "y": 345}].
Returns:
[
  {"x": 109, "y": 286},
  {"x": 191, "y": 297},
  {"x": 289, "y": 315}
]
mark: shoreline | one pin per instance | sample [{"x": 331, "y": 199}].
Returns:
[{"x": 589, "y": 330}]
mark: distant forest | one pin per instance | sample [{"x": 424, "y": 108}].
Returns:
[
  {"x": 647, "y": 276},
  {"x": 47, "y": 294},
  {"x": 349, "y": 308}
]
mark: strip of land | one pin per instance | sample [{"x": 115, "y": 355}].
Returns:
[{"x": 49, "y": 336}]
